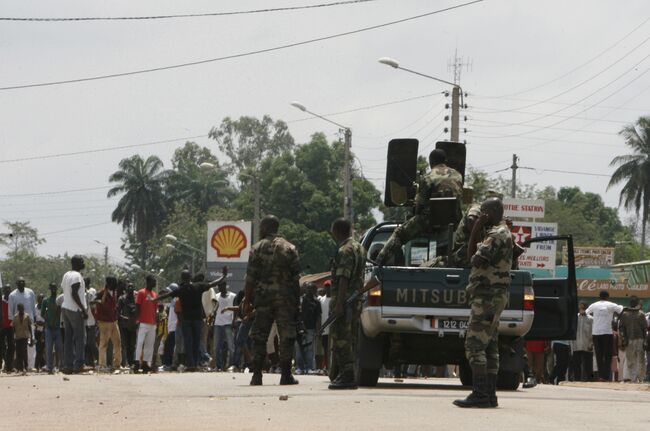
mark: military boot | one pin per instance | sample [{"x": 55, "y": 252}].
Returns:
[
  {"x": 286, "y": 378},
  {"x": 479, "y": 397},
  {"x": 345, "y": 380},
  {"x": 256, "y": 380},
  {"x": 492, "y": 389}
]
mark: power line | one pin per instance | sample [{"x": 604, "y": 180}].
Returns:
[
  {"x": 186, "y": 15},
  {"x": 504, "y": 124},
  {"x": 100, "y": 150},
  {"x": 240, "y": 55},
  {"x": 550, "y": 102},
  {"x": 565, "y": 172},
  {"x": 494, "y": 111},
  {"x": 57, "y": 192},
  {"x": 580, "y": 66},
  {"x": 77, "y": 228}
]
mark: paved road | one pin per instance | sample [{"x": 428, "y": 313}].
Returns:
[{"x": 225, "y": 401}]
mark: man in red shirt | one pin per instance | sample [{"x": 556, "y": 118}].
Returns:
[
  {"x": 146, "y": 305},
  {"x": 106, "y": 316},
  {"x": 6, "y": 332}
]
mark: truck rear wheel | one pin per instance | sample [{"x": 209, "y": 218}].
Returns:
[
  {"x": 465, "y": 373},
  {"x": 368, "y": 377},
  {"x": 508, "y": 380}
]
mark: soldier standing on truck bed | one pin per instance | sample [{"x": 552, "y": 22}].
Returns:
[
  {"x": 272, "y": 285},
  {"x": 488, "y": 293},
  {"x": 440, "y": 181},
  {"x": 347, "y": 277}
]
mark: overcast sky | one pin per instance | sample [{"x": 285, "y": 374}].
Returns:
[{"x": 513, "y": 46}]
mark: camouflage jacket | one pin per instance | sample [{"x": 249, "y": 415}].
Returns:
[
  {"x": 441, "y": 181},
  {"x": 632, "y": 325},
  {"x": 462, "y": 234},
  {"x": 274, "y": 265},
  {"x": 349, "y": 262},
  {"x": 496, "y": 252}
]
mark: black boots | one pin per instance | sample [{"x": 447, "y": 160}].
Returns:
[
  {"x": 256, "y": 380},
  {"x": 345, "y": 380},
  {"x": 480, "y": 396},
  {"x": 492, "y": 389},
  {"x": 287, "y": 378}
]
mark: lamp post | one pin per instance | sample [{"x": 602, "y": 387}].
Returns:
[
  {"x": 347, "y": 168},
  {"x": 456, "y": 94},
  {"x": 195, "y": 250},
  {"x": 105, "y": 255}
]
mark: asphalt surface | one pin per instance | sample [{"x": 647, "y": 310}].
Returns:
[{"x": 224, "y": 401}]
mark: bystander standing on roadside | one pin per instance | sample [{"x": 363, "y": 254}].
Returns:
[
  {"x": 75, "y": 312},
  {"x": 170, "y": 340},
  {"x": 632, "y": 330},
  {"x": 583, "y": 346},
  {"x": 310, "y": 309},
  {"x": 325, "y": 300},
  {"x": 223, "y": 330},
  {"x": 146, "y": 306},
  {"x": 91, "y": 325},
  {"x": 6, "y": 333},
  {"x": 22, "y": 325},
  {"x": 109, "y": 331},
  {"x": 51, "y": 313},
  {"x": 39, "y": 335},
  {"x": 128, "y": 323},
  {"x": 603, "y": 314}
]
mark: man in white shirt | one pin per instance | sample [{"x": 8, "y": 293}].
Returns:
[
  {"x": 208, "y": 302},
  {"x": 92, "y": 352},
  {"x": 223, "y": 326},
  {"x": 601, "y": 331},
  {"x": 22, "y": 295},
  {"x": 74, "y": 312}
]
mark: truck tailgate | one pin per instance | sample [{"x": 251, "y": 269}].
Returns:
[{"x": 439, "y": 292}]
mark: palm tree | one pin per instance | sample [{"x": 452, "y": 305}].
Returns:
[
  {"x": 141, "y": 208},
  {"x": 634, "y": 170}
]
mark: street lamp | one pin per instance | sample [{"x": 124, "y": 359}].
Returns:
[
  {"x": 105, "y": 255},
  {"x": 347, "y": 168},
  {"x": 457, "y": 92},
  {"x": 195, "y": 250}
]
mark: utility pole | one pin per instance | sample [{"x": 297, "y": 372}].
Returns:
[
  {"x": 105, "y": 260},
  {"x": 256, "y": 209},
  {"x": 514, "y": 167},
  {"x": 347, "y": 180},
  {"x": 455, "y": 113}
]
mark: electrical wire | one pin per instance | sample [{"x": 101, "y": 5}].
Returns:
[
  {"x": 538, "y": 171},
  {"x": 186, "y": 15},
  {"x": 56, "y": 192},
  {"x": 580, "y": 66},
  {"x": 550, "y": 102},
  {"x": 100, "y": 150},
  {"x": 491, "y": 111},
  {"x": 76, "y": 228},
  {"x": 505, "y": 123},
  {"x": 240, "y": 55}
]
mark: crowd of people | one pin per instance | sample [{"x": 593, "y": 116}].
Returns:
[
  {"x": 119, "y": 329},
  {"x": 612, "y": 344}
]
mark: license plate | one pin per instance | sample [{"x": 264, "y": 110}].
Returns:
[{"x": 448, "y": 324}]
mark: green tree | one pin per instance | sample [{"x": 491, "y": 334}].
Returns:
[
  {"x": 634, "y": 170},
  {"x": 197, "y": 179},
  {"x": 141, "y": 209}
]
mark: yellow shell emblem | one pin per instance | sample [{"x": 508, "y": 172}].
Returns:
[{"x": 229, "y": 241}]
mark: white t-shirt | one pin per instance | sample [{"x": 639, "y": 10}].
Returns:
[
  {"x": 325, "y": 311},
  {"x": 90, "y": 296},
  {"x": 603, "y": 312},
  {"x": 224, "y": 302},
  {"x": 70, "y": 278},
  {"x": 172, "y": 318},
  {"x": 207, "y": 301}
]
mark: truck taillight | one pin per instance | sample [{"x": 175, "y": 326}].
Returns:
[
  {"x": 529, "y": 298},
  {"x": 374, "y": 297}
]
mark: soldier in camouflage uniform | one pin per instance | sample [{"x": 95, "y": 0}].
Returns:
[
  {"x": 440, "y": 181},
  {"x": 487, "y": 294},
  {"x": 461, "y": 237},
  {"x": 347, "y": 277},
  {"x": 272, "y": 288}
]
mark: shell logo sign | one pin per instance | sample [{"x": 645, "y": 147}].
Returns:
[{"x": 229, "y": 241}]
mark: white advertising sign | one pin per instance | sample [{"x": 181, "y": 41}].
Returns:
[
  {"x": 523, "y": 208},
  {"x": 540, "y": 255},
  {"x": 228, "y": 241}
]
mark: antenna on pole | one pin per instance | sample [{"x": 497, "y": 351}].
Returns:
[{"x": 456, "y": 65}]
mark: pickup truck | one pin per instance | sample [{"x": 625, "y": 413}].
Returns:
[{"x": 418, "y": 315}]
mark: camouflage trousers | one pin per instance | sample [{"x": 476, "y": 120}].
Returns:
[
  {"x": 343, "y": 336},
  {"x": 414, "y": 227},
  {"x": 269, "y": 307},
  {"x": 481, "y": 340}
]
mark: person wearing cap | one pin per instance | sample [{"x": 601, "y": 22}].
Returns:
[
  {"x": 632, "y": 330},
  {"x": 440, "y": 181}
]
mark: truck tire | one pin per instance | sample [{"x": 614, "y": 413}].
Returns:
[
  {"x": 465, "y": 373},
  {"x": 508, "y": 380},
  {"x": 368, "y": 377}
]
